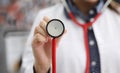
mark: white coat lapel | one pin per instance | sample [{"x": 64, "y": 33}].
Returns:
[{"x": 107, "y": 32}]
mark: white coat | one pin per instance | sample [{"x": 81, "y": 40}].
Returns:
[{"x": 71, "y": 57}]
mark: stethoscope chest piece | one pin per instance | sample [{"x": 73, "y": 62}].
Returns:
[{"x": 55, "y": 28}]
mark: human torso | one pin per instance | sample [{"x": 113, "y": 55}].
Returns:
[{"x": 71, "y": 54}]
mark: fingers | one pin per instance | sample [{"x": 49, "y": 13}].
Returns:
[
  {"x": 43, "y": 25},
  {"x": 38, "y": 39},
  {"x": 44, "y": 22},
  {"x": 41, "y": 28},
  {"x": 40, "y": 34},
  {"x": 46, "y": 19}
]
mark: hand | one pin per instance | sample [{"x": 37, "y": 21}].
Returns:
[{"x": 41, "y": 46}]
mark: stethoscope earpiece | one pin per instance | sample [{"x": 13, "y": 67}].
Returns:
[{"x": 55, "y": 28}]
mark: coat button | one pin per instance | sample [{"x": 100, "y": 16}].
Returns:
[
  {"x": 90, "y": 28},
  {"x": 91, "y": 12},
  {"x": 91, "y": 43},
  {"x": 93, "y": 63}
]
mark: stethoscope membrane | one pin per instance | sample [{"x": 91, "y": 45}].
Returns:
[{"x": 55, "y": 28}]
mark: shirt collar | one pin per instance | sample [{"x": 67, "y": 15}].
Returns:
[{"x": 91, "y": 14}]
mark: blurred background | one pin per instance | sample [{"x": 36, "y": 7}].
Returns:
[{"x": 16, "y": 19}]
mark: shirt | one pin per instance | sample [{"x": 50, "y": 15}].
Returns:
[{"x": 94, "y": 51}]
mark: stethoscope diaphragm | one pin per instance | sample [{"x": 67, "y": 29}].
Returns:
[{"x": 55, "y": 28}]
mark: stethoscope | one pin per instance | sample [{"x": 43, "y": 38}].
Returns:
[{"x": 55, "y": 28}]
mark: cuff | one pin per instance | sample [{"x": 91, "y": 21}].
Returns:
[{"x": 49, "y": 71}]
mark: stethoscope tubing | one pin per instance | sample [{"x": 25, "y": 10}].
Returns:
[
  {"x": 85, "y": 27},
  {"x": 54, "y": 55}
]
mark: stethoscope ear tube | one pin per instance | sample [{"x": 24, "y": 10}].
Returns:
[
  {"x": 106, "y": 5},
  {"x": 66, "y": 6}
]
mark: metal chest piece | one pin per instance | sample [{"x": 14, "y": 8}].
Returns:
[{"x": 55, "y": 28}]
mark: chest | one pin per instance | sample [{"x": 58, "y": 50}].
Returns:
[{"x": 71, "y": 57}]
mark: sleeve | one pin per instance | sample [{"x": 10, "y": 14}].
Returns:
[
  {"x": 28, "y": 58},
  {"x": 49, "y": 71}
]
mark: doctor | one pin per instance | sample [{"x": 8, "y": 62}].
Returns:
[{"x": 82, "y": 48}]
